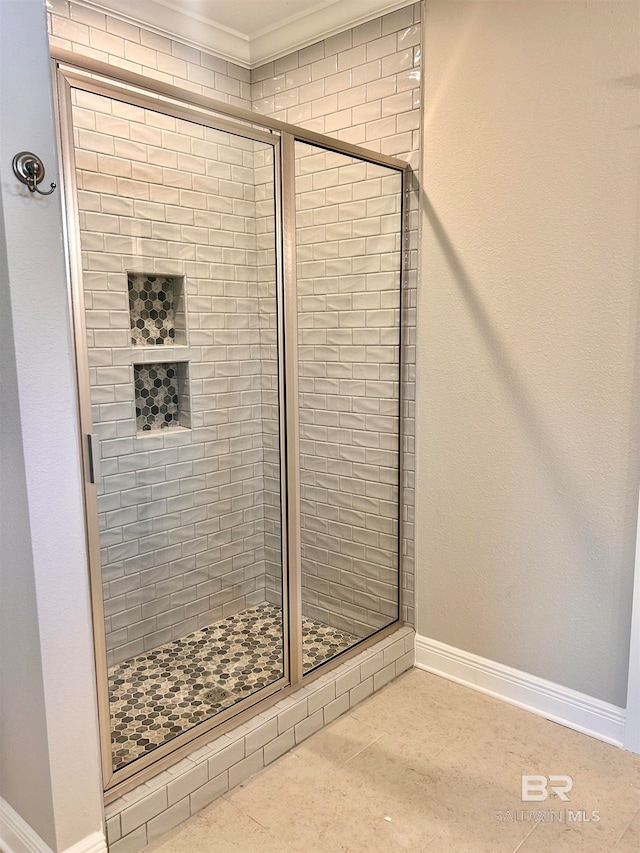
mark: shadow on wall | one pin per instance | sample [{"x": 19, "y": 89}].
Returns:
[
  {"x": 632, "y": 81},
  {"x": 592, "y": 536}
]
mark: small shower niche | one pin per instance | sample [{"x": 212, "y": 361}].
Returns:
[
  {"x": 156, "y": 309},
  {"x": 161, "y": 394}
]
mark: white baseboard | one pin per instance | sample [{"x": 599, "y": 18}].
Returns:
[
  {"x": 94, "y": 843},
  {"x": 561, "y": 704},
  {"x": 16, "y": 836}
]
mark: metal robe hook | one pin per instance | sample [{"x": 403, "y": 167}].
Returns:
[{"x": 29, "y": 170}]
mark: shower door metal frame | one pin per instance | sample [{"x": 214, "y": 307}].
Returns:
[
  {"x": 72, "y": 70},
  {"x": 67, "y": 82}
]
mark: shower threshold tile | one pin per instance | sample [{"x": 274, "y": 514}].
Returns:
[{"x": 156, "y": 696}]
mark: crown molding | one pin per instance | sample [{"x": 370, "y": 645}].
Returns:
[
  {"x": 249, "y": 51},
  {"x": 296, "y": 33},
  {"x": 187, "y": 28}
]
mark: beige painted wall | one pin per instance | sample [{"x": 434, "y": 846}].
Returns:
[{"x": 528, "y": 452}]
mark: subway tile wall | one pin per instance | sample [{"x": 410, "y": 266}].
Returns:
[
  {"x": 123, "y": 45},
  {"x": 181, "y": 511},
  {"x": 151, "y": 605},
  {"x": 363, "y": 86},
  {"x": 348, "y": 225},
  {"x": 265, "y": 228}
]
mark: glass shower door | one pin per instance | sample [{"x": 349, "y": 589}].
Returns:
[
  {"x": 178, "y": 306},
  {"x": 349, "y": 246}
]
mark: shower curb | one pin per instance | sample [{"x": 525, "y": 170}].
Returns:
[{"x": 162, "y": 803}]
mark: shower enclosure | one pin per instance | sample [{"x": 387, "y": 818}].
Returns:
[{"x": 236, "y": 295}]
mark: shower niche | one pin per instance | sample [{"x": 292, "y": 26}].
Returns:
[
  {"x": 157, "y": 317},
  {"x": 162, "y": 397},
  {"x": 237, "y": 309},
  {"x": 156, "y": 309}
]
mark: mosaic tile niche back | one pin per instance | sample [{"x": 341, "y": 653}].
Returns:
[
  {"x": 157, "y": 401},
  {"x": 155, "y": 309}
]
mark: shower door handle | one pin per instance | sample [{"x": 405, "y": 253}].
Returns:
[{"x": 94, "y": 457}]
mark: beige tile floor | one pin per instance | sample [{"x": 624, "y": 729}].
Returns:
[{"x": 426, "y": 765}]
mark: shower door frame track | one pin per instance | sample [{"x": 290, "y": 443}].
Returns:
[{"x": 73, "y": 71}]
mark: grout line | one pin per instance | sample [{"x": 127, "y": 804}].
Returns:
[
  {"x": 624, "y": 831},
  {"x": 526, "y": 838},
  {"x": 364, "y": 748}
]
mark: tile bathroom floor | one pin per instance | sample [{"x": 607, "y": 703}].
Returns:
[
  {"x": 427, "y": 766},
  {"x": 155, "y": 696}
]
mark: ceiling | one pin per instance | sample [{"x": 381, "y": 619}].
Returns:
[{"x": 248, "y": 32}]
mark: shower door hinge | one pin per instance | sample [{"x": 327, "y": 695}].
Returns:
[{"x": 94, "y": 457}]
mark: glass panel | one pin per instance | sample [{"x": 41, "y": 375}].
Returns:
[
  {"x": 348, "y": 228},
  {"x": 177, "y": 226}
]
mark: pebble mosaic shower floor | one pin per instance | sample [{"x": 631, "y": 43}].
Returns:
[{"x": 156, "y": 696}]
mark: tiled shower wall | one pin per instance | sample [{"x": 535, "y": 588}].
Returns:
[
  {"x": 265, "y": 228},
  {"x": 151, "y": 598},
  {"x": 363, "y": 86},
  {"x": 123, "y": 45},
  {"x": 181, "y": 512},
  {"x": 348, "y": 226}
]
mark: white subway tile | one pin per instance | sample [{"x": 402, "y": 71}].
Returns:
[
  {"x": 351, "y": 97},
  {"x": 277, "y": 747},
  {"x": 215, "y": 63},
  {"x": 59, "y": 7},
  {"x": 353, "y": 57},
  {"x": 132, "y": 843},
  {"x": 106, "y": 42},
  {"x": 129, "y": 32},
  {"x": 312, "y": 92},
  {"x": 367, "y": 32},
  {"x": 338, "y": 43},
  {"x": 334, "y": 709},
  {"x": 117, "y": 166},
  {"x": 309, "y": 726},
  {"x": 206, "y": 794},
  {"x": 402, "y": 102},
  {"x": 384, "y": 676},
  {"x": 141, "y": 55},
  {"x": 143, "y": 810},
  {"x": 128, "y": 111},
  {"x": 241, "y": 771},
  {"x": 311, "y": 54},
  {"x": 321, "y": 697},
  {"x": 286, "y": 63},
  {"x": 323, "y": 68},
  {"x": 71, "y": 30},
  {"x": 155, "y": 41},
  {"x": 397, "y": 20},
  {"x": 405, "y": 662}
]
